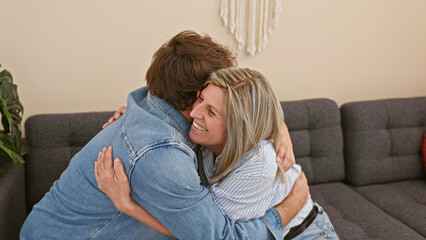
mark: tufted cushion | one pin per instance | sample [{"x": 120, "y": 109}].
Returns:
[
  {"x": 404, "y": 200},
  {"x": 382, "y": 140},
  {"x": 316, "y": 134},
  {"x": 354, "y": 217},
  {"x": 53, "y": 139}
]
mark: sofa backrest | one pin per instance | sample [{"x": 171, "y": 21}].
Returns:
[
  {"x": 383, "y": 140},
  {"x": 317, "y": 138},
  {"x": 52, "y": 141}
]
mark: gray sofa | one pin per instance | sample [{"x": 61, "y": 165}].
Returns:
[{"x": 362, "y": 161}]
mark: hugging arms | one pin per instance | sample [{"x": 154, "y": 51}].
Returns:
[
  {"x": 244, "y": 184},
  {"x": 112, "y": 179}
]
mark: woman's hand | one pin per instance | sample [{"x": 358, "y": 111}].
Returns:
[
  {"x": 116, "y": 116},
  {"x": 285, "y": 155},
  {"x": 112, "y": 180}
]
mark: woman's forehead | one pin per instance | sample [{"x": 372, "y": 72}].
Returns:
[{"x": 214, "y": 96}]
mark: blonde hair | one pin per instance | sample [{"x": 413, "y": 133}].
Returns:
[{"x": 252, "y": 113}]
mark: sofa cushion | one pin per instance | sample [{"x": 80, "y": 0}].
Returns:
[
  {"x": 405, "y": 200},
  {"x": 53, "y": 139},
  {"x": 383, "y": 140},
  {"x": 317, "y": 138},
  {"x": 354, "y": 217}
]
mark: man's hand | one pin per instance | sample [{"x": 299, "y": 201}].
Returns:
[
  {"x": 116, "y": 116},
  {"x": 285, "y": 155},
  {"x": 296, "y": 199}
]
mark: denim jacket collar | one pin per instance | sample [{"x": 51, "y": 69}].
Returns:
[{"x": 176, "y": 117}]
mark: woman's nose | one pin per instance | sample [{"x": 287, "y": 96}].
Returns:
[{"x": 196, "y": 112}]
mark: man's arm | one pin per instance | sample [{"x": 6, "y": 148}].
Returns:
[{"x": 296, "y": 199}]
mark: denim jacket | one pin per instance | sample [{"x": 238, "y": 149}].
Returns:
[{"x": 152, "y": 141}]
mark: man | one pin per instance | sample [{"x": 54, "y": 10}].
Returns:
[{"x": 152, "y": 141}]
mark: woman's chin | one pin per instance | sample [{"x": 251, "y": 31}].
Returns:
[{"x": 193, "y": 136}]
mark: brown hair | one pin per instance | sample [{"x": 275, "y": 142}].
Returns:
[{"x": 182, "y": 65}]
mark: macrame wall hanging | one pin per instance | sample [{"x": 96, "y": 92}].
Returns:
[{"x": 252, "y": 20}]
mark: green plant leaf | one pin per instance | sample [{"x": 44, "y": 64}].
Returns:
[
  {"x": 6, "y": 139},
  {"x": 5, "y": 74},
  {"x": 13, "y": 155},
  {"x": 6, "y": 119},
  {"x": 11, "y": 110}
]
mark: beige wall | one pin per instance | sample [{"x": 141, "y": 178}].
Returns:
[{"x": 74, "y": 56}]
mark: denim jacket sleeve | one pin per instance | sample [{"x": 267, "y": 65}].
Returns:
[{"x": 165, "y": 182}]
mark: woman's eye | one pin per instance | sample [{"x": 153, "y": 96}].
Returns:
[{"x": 211, "y": 112}]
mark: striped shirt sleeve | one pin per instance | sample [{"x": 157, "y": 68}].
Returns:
[{"x": 248, "y": 191}]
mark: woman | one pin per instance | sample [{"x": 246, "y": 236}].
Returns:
[{"x": 237, "y": 120}]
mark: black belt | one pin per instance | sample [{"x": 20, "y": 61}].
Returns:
[{"x": 294, "y": 231}]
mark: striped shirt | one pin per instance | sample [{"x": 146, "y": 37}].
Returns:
[{"x": 252, "y": 188}]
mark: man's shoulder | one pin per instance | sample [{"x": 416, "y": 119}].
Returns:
[
  {"x": 142, "y": 132},
  {"x": 147, "y": 124},
  {"x": 166, "y": 163},
  {"x": 168, "y": 151}
]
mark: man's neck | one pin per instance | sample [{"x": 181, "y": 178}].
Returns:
[{"x": 186, "y": 113}]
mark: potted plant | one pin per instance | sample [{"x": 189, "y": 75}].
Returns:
[{"x": 11, "y": 111}]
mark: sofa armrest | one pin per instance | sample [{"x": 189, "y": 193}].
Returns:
[{"x": 12, "y": 200}]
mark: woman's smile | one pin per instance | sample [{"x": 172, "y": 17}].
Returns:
[
  {"x": 208, "y": 127},
  {"x": 197, "y": 126}
]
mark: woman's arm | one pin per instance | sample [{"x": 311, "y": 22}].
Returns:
[
  {"x": 112, "y": 180},
  {"x": 285, "y": 155}
]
